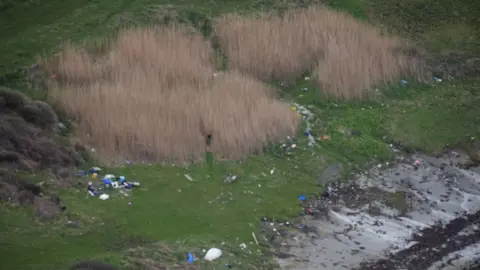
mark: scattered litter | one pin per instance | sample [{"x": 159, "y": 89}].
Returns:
[
  {"x": 304, "y": 89},
  {"x": 91, "y": 189},
  {"x": 403, "y": 82},
  {"x": 255, "y": 238},
  {"x": 109, "y": 176},
  {"x": 416, "y": 163},
  {"x": 243, "y": 246},
  {"x": 325, "y": 138},
  {"x": 213, "y": 254},
  {"x": 272, "y": 171},
  {"x": 307, "y": 78},
  {"x": 94, "y": 170},
  {"x": 189, "y": 178},
  {"x": 230, "y": 178},
  {"x": 437, "y": 79},
  {"x": 108, "y": 181},
  {"x": 190, "y": 258},
  {"x": 302, "y": 198},
  {"x": 294, "y": 146}
]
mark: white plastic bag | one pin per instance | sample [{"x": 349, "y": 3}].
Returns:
[{"x": 213, "y": 254}]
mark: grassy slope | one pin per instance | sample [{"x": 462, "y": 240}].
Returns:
[{"x": 207, "y": 212}]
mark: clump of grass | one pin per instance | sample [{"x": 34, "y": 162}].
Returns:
[
  {"x": 154, "y": 97},
  {"x": 346, "y": 57}
]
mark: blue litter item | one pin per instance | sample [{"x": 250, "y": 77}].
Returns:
[
  {"x": 129, "y": 186},
  {"x": 403, "y": 82},
  {"x": 308, "y": 132},
  {"x": 190, "y": 258},
  {"x": 106, "y": 181},
  {"x": 91, "y": 188},
  {"x": 302, "y": 198},
  {"x": 94, "y": 170},
  {"x": 121, "y": 179}
]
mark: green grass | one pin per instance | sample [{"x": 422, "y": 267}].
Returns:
[{"x": 190, "y": 216}]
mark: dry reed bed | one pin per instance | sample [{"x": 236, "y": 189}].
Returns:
[
  {"x": 345, "y": 56},
  {"x": 153, "y": 97}
]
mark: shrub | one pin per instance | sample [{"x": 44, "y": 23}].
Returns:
[
  {"x": 155, "y": 98},
  {"x": 346, "y": 57}
]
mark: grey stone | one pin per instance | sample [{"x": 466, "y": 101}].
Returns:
[{"x": 332, "y": 173}]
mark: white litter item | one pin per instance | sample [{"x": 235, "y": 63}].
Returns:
[
  {"x": 104, "y": 197},
  {"x": 115, "y": 184},
  {"x": 109, "y": 176},
  {"x": 188, "y": 177},
  {"x": 213, "y": 254}
]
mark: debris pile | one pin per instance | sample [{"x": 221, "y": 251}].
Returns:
[{"x": 108, "y": 183}]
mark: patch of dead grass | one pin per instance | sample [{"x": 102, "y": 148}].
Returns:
[
  {"x": 345, "y": 56},
  {"x": 154, "y": 97}
]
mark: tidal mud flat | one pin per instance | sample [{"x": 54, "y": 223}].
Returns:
[{"x": 419, "y": 212}]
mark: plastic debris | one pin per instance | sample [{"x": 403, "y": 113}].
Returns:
[
  {"x": 302, "y": 198},
  {"x": 121, "y": 179},
  {"x": 109, "y": 176},
  {"x": 189, "y": 178},
  {"x": 91, "y": 189},
  {"x": 325, "y": 138},
  {"x": 437, "y": 79},
  {"x": 104, "y": 197},
  {"x": 94, "y": 175},
  {"x": 403, "y": 82},
  {"x": 230, "y": 178},
  {"x": 190, "y": 258},
  {"x": 107, "y": 181},
  {"x": 255, "y": 238},
  {"x": 304, "y": 89},
  {"x": 243, "y": 246},
  {"x": 94, "y": 170},
  {"x": 213, "y": 254}
]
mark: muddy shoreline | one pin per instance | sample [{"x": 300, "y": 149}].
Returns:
[{"x": 419, "y": 212}]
